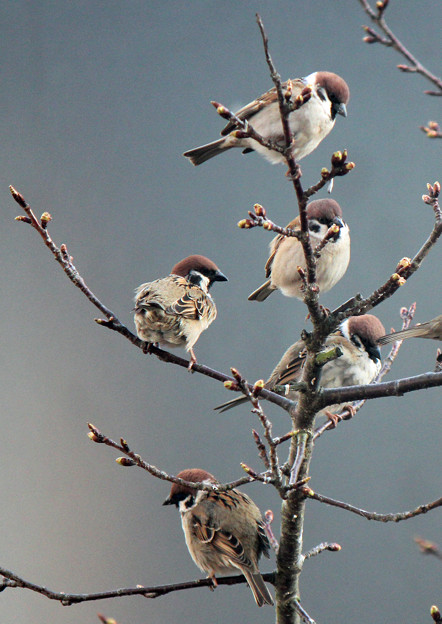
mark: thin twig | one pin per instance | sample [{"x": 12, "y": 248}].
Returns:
[
  {"x": 371, "y": 515},
  {"x": 135, "y": 460},
  {"x": 320, "y": 548},
  {"x": 392, "y": 41}
]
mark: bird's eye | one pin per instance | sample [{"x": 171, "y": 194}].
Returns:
[
  {"x": 324, "y": 221},
  {"x": 314, "y": 226},
  {"x": 356, "y": 341},
  {"x": 322, "y": 94}
]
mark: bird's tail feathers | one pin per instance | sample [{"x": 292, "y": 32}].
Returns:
[
  {"x": 259, "y": 589},
  {"x": 224, "y": 407},
  {"x": 411, "y": 332},
  {"x": 198, "y": 155},
  {"x": 261, "y": 293}
]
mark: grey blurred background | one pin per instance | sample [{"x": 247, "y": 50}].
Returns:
[{"x": 98, "y": 102}]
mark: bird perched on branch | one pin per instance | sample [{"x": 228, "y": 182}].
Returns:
[
  {"x": 287, "y": 254},
  {"x": 431, "y": 329},
  {"x": 359, "y": 363},
  {"x": 224, "y": 531},
  {"x": 309, "y": 124},
  {"x": 174, "y": 310}
]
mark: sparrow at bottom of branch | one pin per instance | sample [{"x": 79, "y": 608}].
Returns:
[
  {"x": 224, "y": 531},
  {"x": 174, "y": 310}
]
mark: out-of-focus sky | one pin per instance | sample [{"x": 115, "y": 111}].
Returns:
[{"x": 98, "y": 102}]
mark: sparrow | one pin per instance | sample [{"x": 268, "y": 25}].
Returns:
[
  {"x": 359, "y": 363},
  {"x": 174, "y": 310},
  {"x": 224, "y": 531},
  {"x": 286, "y": 253},
  {"x": 310, "y": 124},
  {"x": 431, "y": 329}
]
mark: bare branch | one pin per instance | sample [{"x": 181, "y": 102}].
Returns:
[
  {"x": 404, "y": 269},
  {"x": 371, "y": 515},
  {"x": 392, "y": 41},
  {"x": 135, "y": 460},
  {"x": 66, "y": 599},
  {"x": 320, "y": 548}
]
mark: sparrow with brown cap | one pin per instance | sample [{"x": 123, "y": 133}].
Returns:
[
  {"x": 309, "y": 124},
  {"x": 224, "y": 531},
  {"x": 287, "y": 254},
  {"x": 173, "y": 311}
]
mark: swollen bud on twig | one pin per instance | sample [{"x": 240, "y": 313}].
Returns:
[
  {"x": 248, "y": 470},
  {"x": 18, "y": 197},
  {"x": 124, "y": 445},
  {"x": 221, "y": 110},
  {"x": 125, "y": 461},
  {"x": 231, "y": 385},
  {"x": 403, "y": 264},
  {"x": 45, "y": 219},
  {"x": 245, "y": 224},
  {"x": 397, "y": 278},
  {"x": 435, "y": 614},
  {"x": 260, "y": 211},
  {"x": 95, "y": 434},
  {"x": 23, "y": 218},
  {"x": 258, "y": 386}
]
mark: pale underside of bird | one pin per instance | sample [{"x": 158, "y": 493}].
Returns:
[
  {"x": 224, "y": 531},
  {"x": 359, "y": 363},
  {"x": 287, "y": 254},
  {"x": 309, "y": 125}
]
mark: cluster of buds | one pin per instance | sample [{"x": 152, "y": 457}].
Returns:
[
  {"x": 371, "y": 36},
  {"x": 433, "y": 193},
  {"x": 257, "y": 217},
  {"x": 339, "y": 165},
  {"x": 432, "y": 130},
  {"x": 301, "y": 99},
  {"x": 95, "y": 434}
]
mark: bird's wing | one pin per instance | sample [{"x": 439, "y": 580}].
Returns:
[
  {"x": 269, "y": 97},
  {"x": 192, "y": 305}
]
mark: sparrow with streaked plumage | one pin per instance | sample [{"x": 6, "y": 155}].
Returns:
[
  {"x": 359, "y": 363},
  {"x": 286, "y": 253},
  {"x": 174, "y": 310},
  {"x": 431, "y": 329},
  {"x": 309, "y": 124},
  {"x": 224, "y": 531}
]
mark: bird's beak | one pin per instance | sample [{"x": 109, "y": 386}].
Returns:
[
  {"x": 219, "y": 277},
  {"x": 339, "y": 222},
  {"x": 374, "y": 352},
  {"x": 168, "y": 501},
  {"x": 341, "y": 109}
]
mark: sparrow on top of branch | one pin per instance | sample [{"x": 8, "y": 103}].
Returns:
[
  {"x": 359, "y": 363},
  {"x": 431, "y": 329},
  {"x": 287, "y": 254},
  {"x": 309, "y": 124},
  {"x": 224, "y": 531},
  {"x": 174, "y": 310}
]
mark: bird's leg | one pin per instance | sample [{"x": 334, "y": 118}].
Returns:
[
  {"x": 214, "y": 582},
  {"x": 192, "y": 360},
  {"x": 333, "y": 418}
]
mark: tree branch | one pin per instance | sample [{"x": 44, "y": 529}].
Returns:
[
  {"x": 371, "y": 515},
  {"x": 66, "y": 599},
  {"x": 393, "y": 42}
]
